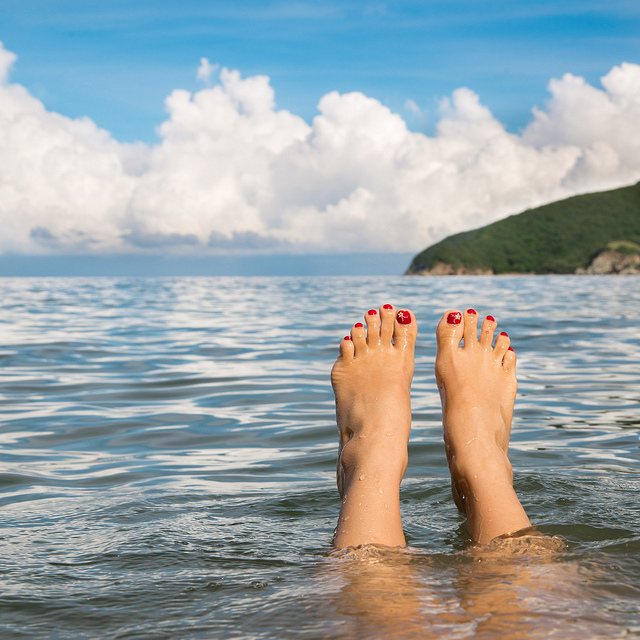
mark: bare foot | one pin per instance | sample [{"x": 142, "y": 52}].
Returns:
[
  {"x": 371, "y": 381},
  {"x": 477, "y": 384}
]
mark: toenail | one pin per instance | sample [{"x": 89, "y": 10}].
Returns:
[
  {"x": 491, "y": 319},
  {"x": 387, "y": 306},
  {"x": 372, "y": 312},
  {"x": 347, "y": 337},
  {"x": 510, "y": 349},
  {"x": 358, "y": 325},
  {"x": 403, "y": 317},
  {"x": 504, "y": 333},
  {"x": 455, "y": 317},
  {"x": 472, "y": 311}
]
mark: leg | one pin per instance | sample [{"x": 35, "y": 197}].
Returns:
[
  {"x": 371, "y": 381},
  {"x": 477, "y": 384}
]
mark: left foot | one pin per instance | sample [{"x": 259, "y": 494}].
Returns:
[{"x": 371, "y": 381}]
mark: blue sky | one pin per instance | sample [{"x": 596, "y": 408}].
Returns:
[
  {"x": 117, "y": 61},
  {"x": 326, "y": 128}
]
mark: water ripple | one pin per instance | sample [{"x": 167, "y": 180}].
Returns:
[{"x": 168, "y": 457}]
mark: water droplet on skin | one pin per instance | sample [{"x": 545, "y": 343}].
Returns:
[
  {"x": 362, "y": 477},
  {"x": 380, "y": 491}
]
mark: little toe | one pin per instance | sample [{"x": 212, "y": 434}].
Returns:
[
  {"x": 450, "y": 330},
  {"x": 405, "y": 330},
  {"x": 470, "y": 327},
  {"x": 387, "y": 323},
  {"x": 488, "y": 327},
  {"x": 347, "y": 350},
  {"x": 502, "y": 345},
  {"x": 373, "y": 327},
  {"x": 358, "y": 337}
]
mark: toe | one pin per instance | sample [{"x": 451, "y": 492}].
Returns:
[
  {"x": 502, "y": 345},
  {"x": 405, "y": 329},
  {"x": 387, "y": 323},
  {"x": 509, "y": 360},
  {"x": 347, "y": 349},
  {"x": 450, "y": 330},
  {"x": 470, "y": 327},
  {"x": 488, "y": 327},
  {"x": 373, "y": 327},
  {"x": 358, "y": 337}
]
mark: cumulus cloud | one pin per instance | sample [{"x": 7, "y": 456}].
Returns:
[
  {"x": 412, "y": 107},
  {"x": 7, "y": 58},
  {"x": 206, "y": 70},
  {"x": 233, "y": 173}
]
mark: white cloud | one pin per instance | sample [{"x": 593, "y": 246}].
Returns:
[
  {"x": 412, "y": 107},
  {"x": 232, "y": 172},
  {"x": 7, "y": 58},
  {"x": 206, "y": 70}
]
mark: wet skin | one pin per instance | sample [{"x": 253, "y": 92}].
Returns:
[
  {"x": 477, "y": 383},
  {"x": 372, "y": 380}
]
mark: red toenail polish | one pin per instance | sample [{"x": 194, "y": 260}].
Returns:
[
  {"x": 372, "y": 312},
  {"x": 472, "y": 311},
  {"x": 504, "y": 333},
  {"x": 358, "y": 324},
  {"x": 347, "y": 337},
  {"x": 455, "y": 317},
  {"x": 510, "y": 349},
  {"x": 387, "y": 306},
  {"x": 403, "y": 317},
  {"x": 491, "y": 319}
]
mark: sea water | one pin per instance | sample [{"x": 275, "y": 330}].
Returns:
[{"x": 168, "y": 463}]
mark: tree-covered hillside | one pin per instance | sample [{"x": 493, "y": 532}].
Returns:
[{"x": 556, "y": 238}]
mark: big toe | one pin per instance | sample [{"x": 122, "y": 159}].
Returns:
[
  {"x": 450, "y": 331},
  {"x": 405, "y": 330}
]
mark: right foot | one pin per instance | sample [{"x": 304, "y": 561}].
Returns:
[
  {"x": 371, "y": 380},
  {"x": 477, "y": 385}
]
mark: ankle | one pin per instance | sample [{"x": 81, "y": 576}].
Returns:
[
  {"x": 479, "y": 466},
  {"x": 380, "y": 456}
]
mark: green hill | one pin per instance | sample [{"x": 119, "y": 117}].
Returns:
[{"x": 561, "y": 237}]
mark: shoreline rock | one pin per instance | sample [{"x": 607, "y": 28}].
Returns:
[
  {"x": 611, "y": 262},
  {"x": 444, "y": 269}
]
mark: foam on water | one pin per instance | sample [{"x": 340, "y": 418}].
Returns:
[{"x": 168, "y": 462}]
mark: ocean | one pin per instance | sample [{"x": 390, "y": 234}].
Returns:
[{"x": 168, "y": 462}]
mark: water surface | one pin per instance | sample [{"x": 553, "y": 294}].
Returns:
[{"x": 168, "y": 462}]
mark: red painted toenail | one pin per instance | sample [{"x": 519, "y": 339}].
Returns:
[
  {"x": 358, "y": 325},
  {"x": 455, "y": 317},
  {"x": 372, "y": 312},
  {"x": 491, "y": 319},
  {"x": 504, "y": 333},
  {"x": 387, "y": 306},
  {"x": 472, "y": 311},
  {"x": 510, "y": 349},
  {"x": 403, "y": 317},
  {"x": 347, "y": 337}
]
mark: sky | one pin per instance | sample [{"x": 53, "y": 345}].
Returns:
[{"x": 218, "y": 128}]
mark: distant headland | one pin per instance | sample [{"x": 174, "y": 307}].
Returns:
[{"x": 595, "y": 233}]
